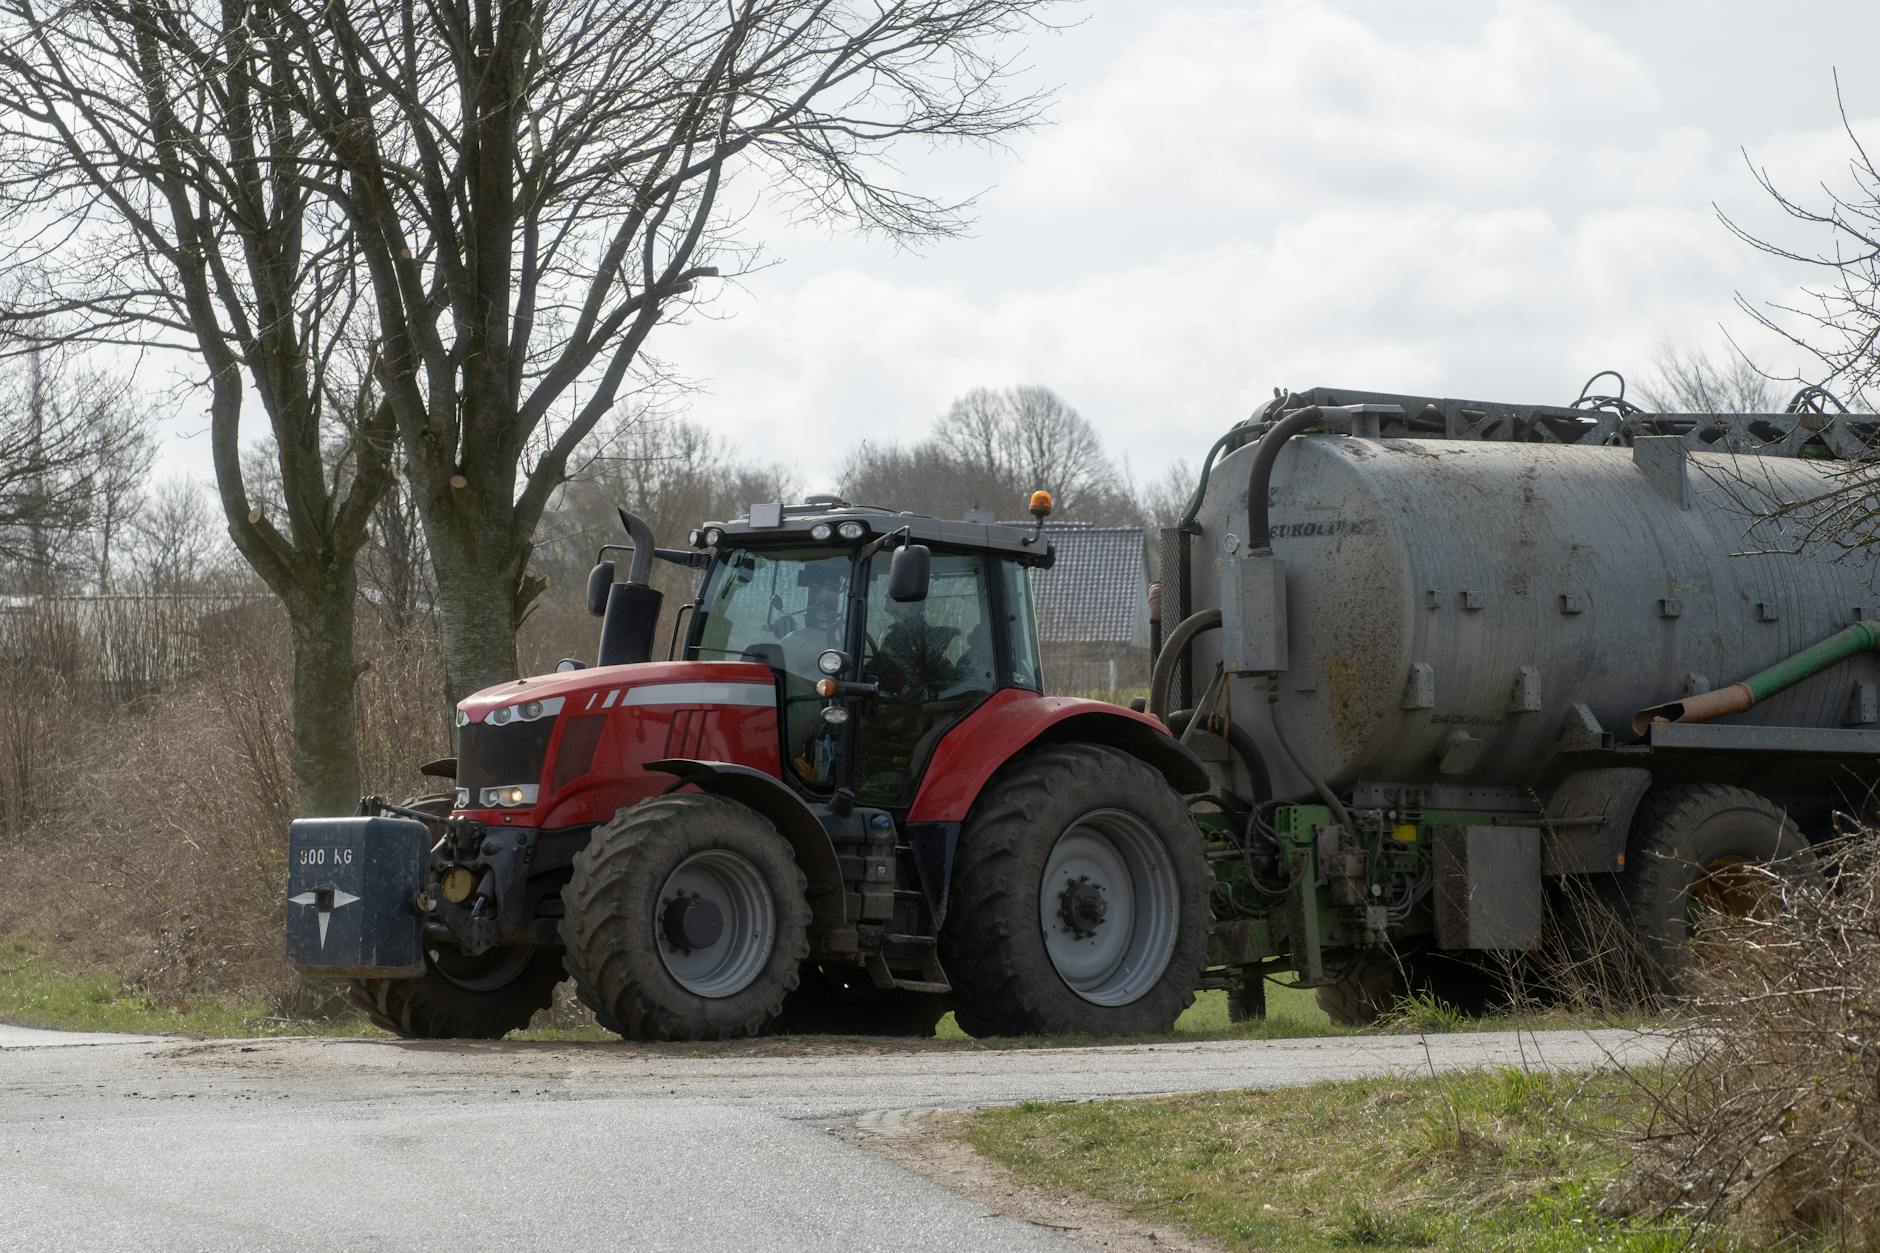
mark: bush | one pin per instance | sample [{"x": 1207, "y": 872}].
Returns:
[
  {"x": 147, "y": 837},
  {"x": 1771, "y": 1130}
]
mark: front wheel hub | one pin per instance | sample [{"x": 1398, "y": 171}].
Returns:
[{"x": 691, "y": 922}]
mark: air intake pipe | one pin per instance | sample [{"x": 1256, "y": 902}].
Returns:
[{"x": 629, "y": 611}]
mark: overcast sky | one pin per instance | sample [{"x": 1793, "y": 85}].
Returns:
[{"x": 1480, "y": 199}]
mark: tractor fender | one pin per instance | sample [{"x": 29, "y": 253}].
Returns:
[
  {"x": 794, "y": 820},
  {"x": 1588, "y": 819},
  {"x": 1013, "y": 720}
]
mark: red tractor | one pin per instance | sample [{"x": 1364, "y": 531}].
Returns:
[{"x": 843, "y": 803}]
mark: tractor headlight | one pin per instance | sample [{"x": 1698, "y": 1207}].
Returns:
[
  {"x": 463, "y": 719},
  {"x": 712, "y": 536},
  {"x": 851, "y": 530},
  {"x": 510, "y": 795},
  {"x": 821, "y": 532},
  {"x": 526, "y": 711},
  {"x": 463, "y": 798},
  {"x": 832, "y": 662}
]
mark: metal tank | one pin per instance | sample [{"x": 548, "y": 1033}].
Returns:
[{"x": 1449, "y": 611}]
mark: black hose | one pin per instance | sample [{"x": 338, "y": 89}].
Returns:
[
  {"x": 1170, "y": 656},
  {"x": 1238, "y": 740},
  {"x": 1260, "y": 474}
]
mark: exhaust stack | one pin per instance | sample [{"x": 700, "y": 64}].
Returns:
[{"x": 629, "y": 611}]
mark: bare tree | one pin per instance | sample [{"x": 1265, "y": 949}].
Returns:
[
  {"x": 1836, "y": 318},
  {"x": 161, "y": 188},
  {"x": 1027, "y": 438},
  {"x": 521, "y": 189},
  {"x": 66, "y": 433},
  {"x": 119, "y": 496},
  {"x": 1691, "y": 381},
  {"x": 174, "y": 539}
]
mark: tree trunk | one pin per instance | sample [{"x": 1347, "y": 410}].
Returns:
[
  {"x": 478, "y": 607},
  {"x": 326, "y": 755}
]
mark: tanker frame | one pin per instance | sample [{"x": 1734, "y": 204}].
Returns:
[{"x": 1454, "y": 664}]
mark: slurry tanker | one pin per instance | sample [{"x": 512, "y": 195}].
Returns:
[{"x": 1436, "y": 668}]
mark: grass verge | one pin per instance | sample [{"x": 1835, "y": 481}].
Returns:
[
  {"x": 34, "y": 993},
  {"x": 1490, "y": 1160}
]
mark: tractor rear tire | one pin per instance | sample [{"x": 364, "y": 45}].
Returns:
[
  {"x": 1079, "y": 902},
  {"x": 464, "y": 998},
  {"x": 846, "y": 1002},
  {"x": 653, "y": 967},
  {"x": 1693, "y": 847}
]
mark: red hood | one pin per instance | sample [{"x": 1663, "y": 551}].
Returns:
[{"x": 574, "y": 683}]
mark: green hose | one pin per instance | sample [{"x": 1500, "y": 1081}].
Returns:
[{"x": 1860, "y": 637}]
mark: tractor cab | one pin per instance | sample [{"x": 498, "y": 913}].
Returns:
[{"x": 884, "y": 631}]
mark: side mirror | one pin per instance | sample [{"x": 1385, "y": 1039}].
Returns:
[
  {"x": 600, "y": 579},
  {"x": 908, "y": 572}
]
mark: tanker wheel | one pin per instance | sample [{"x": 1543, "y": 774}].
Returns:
[
  {"x": 1079, "y": 902},
  {"x": 1366, "y": 987},
  {"x": 846, "y": 1002},
  {"x": 1705, "y": 847},
  {"x": 686, "y": 919},
  {"x": 1372, "y": 982},
  {"x": 459, "y": 997},
  {"x": 1246, "y": 996}
]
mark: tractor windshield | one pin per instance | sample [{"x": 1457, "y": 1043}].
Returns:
[{"x": 782, "y": 606}]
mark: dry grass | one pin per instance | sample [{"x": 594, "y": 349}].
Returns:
[
  {"x": 146, "y": 837},
  {"x": 1771, "y": 1132}
]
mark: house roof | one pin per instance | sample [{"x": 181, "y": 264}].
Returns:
[{"x": 1097, "y": 591}]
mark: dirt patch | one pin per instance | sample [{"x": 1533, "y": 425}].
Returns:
[{"x": 930, "y": 1145}]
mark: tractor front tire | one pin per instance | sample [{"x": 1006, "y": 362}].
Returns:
[
  {"x": 846, "y": 1002},
  {"x": 1079, "y": 902},
  {"x": 687, "y": 918},
  {"x": 464, "y": 998}
]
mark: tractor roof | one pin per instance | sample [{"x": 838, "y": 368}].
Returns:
[{"x": 779, "y": 523}]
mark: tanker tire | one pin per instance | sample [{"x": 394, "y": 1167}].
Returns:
[
  {"x": 1246, "y": 997},
  {"x": 609, "y": 930},
  {"x": 993, "y": 944},
  {"x": 434, "y": 1006},
  {"x": 1678, "y": 833},
  {"x": 848, "y": 1003},
  {"x": 1372, "y": 983},
  {"x": 1367, "y": 987}
]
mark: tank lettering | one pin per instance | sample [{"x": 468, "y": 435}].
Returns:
[
  {"x": 1465, "y": 720},
  {"x": 1325, "y": 530}
]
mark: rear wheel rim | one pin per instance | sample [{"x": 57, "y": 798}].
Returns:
[
  {"x": 1109, "y": 907},
  {"x": 746, "y": 916},
  {"x": 1736, "y": 887}
]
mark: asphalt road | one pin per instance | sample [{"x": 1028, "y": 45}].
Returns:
[{"x": 127, "y": 1143}]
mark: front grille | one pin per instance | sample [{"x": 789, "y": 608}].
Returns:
[{"x": 490, "y": 756}]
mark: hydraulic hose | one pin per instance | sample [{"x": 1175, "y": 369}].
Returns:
[
  {"x": 1260, "y": 474},
  {"x": 1237, "y": 739},
  {"x": 1171, "y": 655},
  {"x": 1859, "y": 637}
]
